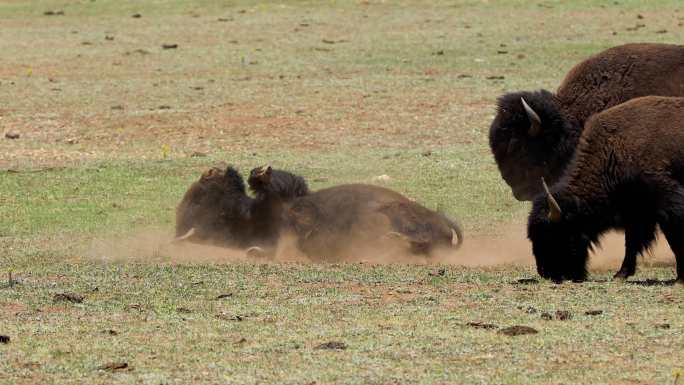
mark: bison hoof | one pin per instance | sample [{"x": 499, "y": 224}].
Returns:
[
  {"x": 255, "y": 252},
  {"x": 622, "y": 275}
]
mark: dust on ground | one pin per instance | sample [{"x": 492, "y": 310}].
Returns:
[{"x": 507, "y": 246}]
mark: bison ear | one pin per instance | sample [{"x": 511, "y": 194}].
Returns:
[
  {"x": 535, "y": 121},
  {"x": 555, "y": 212},
  {"x": 209, "y": 174}
]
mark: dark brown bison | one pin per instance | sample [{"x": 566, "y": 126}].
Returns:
[
  {"x": 627, "y": 172},
  {"x": 534, "y": 134},
  {"x": 335, "y": 222},
  {"x": 216, "y": 208}
]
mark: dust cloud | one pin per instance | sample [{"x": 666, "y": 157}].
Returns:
[{"x": 506, "y": 245}]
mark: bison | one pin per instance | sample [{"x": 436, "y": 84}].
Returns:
[
  {"x": 627, "y": 173},
  {"x": 335, "y": 222},
  {"x": 217, "y": 209},
  {"x": 272, "y": 189},
  {"x": 534, "y": 134}
]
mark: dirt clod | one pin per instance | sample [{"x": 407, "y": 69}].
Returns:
[
  {"x": 113, "y": 366},
  {"x": 518, "y": 330},
  {"x": 54, "y": 13},
  {"x": 225, "y": 295},
  {"x": 662, "y": 326},
  {"x": 169, "y": 46},
  {"x": 136, "y": 16},
  {"x": 563, "y": 315},
  {"x": 481, "y": 325},
  {"x": 593, "y": 312},
  {"x": 110, "y": 332},
  {"x": 12, "y": 135},
  {"x": 4, "y": 339},
  {"x": 332, "y": 345},
  {"x": 68, "y": 297},
  {"x": 231, "y": 317}
]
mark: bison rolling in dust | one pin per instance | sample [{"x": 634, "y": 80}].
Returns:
[
  {"x": 534, "y": 134},
  {"x": 628, "y": 172},
  {"x": 216, "y": 209},
  {"x": 341, "y": 221}
]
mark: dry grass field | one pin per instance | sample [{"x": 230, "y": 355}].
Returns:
[{"x": 120, "y": 105}]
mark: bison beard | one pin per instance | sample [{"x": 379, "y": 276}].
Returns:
[
  {"x": 333, "y": 223},
  {"x": 534, "y": 134},
  {"x": 627, "y": 173}
]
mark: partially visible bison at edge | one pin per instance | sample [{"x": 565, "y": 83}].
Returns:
[
  {"x": 216, "y": 209},
  {"x": 348, "y": 220},
  {"x": 534, "y": 134},
  {"x": 628, "y": 172}
]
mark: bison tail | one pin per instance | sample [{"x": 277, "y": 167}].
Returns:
[{"x": 456, "y": 232}]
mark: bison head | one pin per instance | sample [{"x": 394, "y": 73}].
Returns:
[
  {"x": 531, "y": 138},
  {"x": 259, "y": 178},
  {"x": 211, "y": 206},
  {"x": 561, "y": 238}
]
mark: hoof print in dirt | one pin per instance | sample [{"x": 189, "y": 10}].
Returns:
[
  {"x": 4, "y": 339},
  {"x": 68, "y": 297},
  {"x": 518, "y": 330},
  {"x": 332, "y": 345},
  {"x": 113, "y": 366},
  {"x": 593, "y": 312},
  {"x": 481, "y": 325}
]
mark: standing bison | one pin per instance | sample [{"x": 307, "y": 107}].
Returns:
[
  {"x": 338, "y": 222},
  {"x": 216, "y": 208},
  {"x": 627, "y": 172},
  {"x": 534, "y": 134}
]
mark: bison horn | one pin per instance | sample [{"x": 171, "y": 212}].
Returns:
[
  {"x": 255, "y": 252},
  {"x": 535, "y": 121},
  {"x": 456, "y": 238},
  {"x": 187, "y": 235},
  {"x": 554, "y": 210}
]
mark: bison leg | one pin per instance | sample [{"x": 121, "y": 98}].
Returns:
[
  {"x": 673, "y": 235},
  {"x": 638, "y": 237}
]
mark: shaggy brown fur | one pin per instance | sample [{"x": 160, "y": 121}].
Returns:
[
  {"x": 628, "y": 172},
  {"x": 601, "y": 81},
  {"x": 332, "y": 223},
  {"x": 219, "y": 211}
]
